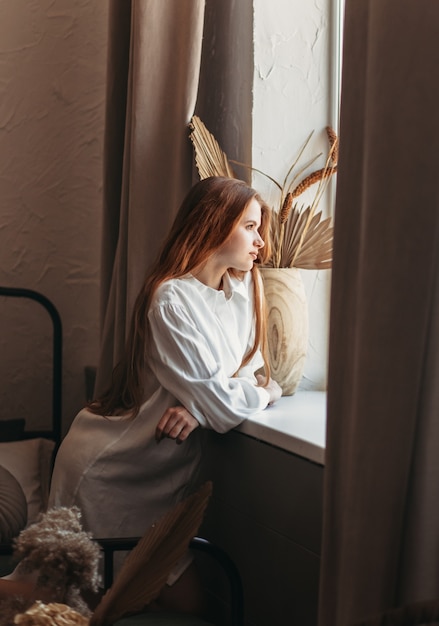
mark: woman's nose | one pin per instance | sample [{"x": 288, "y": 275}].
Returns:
[{"x": 259, "y": 241}]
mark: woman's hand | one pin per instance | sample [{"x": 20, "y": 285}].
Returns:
[
  {"x": 176, "y": 423},
  {"x": 274, "y": 391}
]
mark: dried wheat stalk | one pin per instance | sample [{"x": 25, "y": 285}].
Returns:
[
  {"x": 293, "y": 238},
  {"x": 333, "y": 142},
  {"x": 286, "y": 208},
  {"x": 312, "y": 179}
]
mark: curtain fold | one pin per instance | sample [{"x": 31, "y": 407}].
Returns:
[
  {"x": 225, "y": 96},
  {"x": 153, "y": 72},
  {"x": 381, "y": 513},
  {"x": 119, "y": 28}
]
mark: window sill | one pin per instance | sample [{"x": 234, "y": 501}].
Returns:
[{"x": 295, "y": 423}]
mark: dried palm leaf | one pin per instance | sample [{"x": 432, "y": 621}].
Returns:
[
  {"x": 319, "y": 237},
  {"x": 147, "y": 567},
  {"x": 316, "y": 251},
  {"x": 289, "y": 242},
  {"x": 299, "y": 231},
  {"x": 314, "y": 264},
  {"x": 317, "y": 258},
  {"x": 293, "y": 238},
  {"x": 302, "y": 235},
  {"x": 209, "y": 157}
]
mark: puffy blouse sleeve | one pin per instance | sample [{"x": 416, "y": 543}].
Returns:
[{"x": 186, "y": 365}]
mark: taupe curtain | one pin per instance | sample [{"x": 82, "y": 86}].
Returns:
[
  {"x": 381, "y": 511},
  {"x": 155, "y": 79},
  {"x": 153, "y": 70}
]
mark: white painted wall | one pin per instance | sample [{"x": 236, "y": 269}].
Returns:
[
  {"x": 292, "y": 97},
  {"x": 52, "y": 83}
]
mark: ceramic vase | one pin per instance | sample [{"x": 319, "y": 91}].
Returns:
[{"x": 287, "y": 326}]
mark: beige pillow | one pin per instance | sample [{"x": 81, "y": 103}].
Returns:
[
  {"x": 13, "y": 506},
  {"x": 30, "y": 462}
]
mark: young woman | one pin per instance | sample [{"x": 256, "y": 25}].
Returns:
[{"x": 195, "y": 342}]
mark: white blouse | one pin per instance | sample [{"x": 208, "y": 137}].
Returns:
[
  {"x": 112, "y": 467},
  {"x": 200, "y": 336}
]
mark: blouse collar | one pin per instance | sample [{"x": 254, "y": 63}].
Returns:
[
  {"x": 231, "y": 287},
  {"x": 236, "y": 286}
]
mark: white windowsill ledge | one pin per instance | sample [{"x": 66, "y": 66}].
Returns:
[{"x": 295, "y": 423}]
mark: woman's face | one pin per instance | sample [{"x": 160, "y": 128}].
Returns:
[{"x": 242, "y": 247}]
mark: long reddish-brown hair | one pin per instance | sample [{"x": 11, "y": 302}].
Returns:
[{"x": 206, "y": 218}]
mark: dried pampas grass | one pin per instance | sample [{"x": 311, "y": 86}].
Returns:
[
  {"x": 59, "y": 560},
  {"x": 300, "y": 236}
]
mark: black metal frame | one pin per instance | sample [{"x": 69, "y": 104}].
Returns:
[
  {"x": 110, "y": 546},
  {"x": 6, "y": 548},
  {"x": 55, "y": 432}
]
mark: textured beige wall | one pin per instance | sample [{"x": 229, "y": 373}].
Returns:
[{"x": 52, "y": 84}]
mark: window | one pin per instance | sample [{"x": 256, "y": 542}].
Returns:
[{"x": 296, "y": 91}]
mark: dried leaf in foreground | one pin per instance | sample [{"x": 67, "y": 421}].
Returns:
[{"x": 147, "y": 567}]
